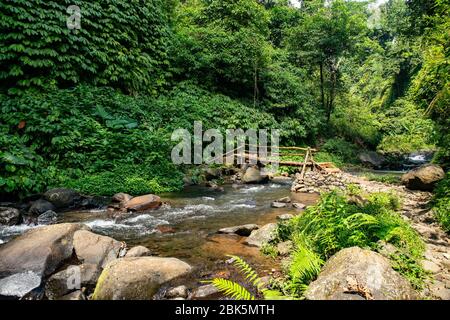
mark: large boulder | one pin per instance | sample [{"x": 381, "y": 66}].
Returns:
[
  {"x": 357, "y": 274},
  {"x": 9, "y": 216},
  {"x": 253, "y": 175},
  {"x": 423, "y": 178},
  {"x": 138, "y": 251},
  {"x": 36, "y": 254},
  {"x": 95, "y": 249},
  {"x": 262, "y": 236},
  {"x": 72, "y": 278},
  {"x": 142, "y": 203},
  {"x": 40, "y": 206},
  {"x": 119, "y": 200},
  {"x": 19, "y": 284},
  {"x": 62, "y": 198},
  {"x": 121, "y": 197},
  {"x": 372, "y": 159},
  {"x": 48, "y": 217},
  {"x": 137, "y": 278},
  {"x": 244, "y": 230},
  {"x": 40, "y": 250},
  {"x": 212, "y": 173}
]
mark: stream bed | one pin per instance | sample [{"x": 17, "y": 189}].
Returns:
[{"x": 188, "y": 229}]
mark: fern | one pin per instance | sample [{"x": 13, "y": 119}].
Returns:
[
  {"x": 305, "y": 265},
  {"x": 236, "y": 291},
  {"x": 250, "y": 275},
  {"x": 232, "y": 289}
]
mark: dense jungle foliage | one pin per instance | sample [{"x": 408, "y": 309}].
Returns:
[{"x": 93, "y": 108}]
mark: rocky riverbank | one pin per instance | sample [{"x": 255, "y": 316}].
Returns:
[
  {"x": 68, "y": 262},
  {"x": 415, "y": 208},
  {"x": 72, "y": 261}
]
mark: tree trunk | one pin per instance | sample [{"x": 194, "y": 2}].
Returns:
[
  {"x": 255, "y": 88},
  {"x": 333, "y": 84},
  {"x": 322, "y": 89}
]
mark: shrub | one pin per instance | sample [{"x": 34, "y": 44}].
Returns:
[
  {"x": 334, "y": 224},
  {"x": 101, "y": 141},
  {"x": 383, "y": 178},
  {"x": 406, "y": 130},
  {"x": 441, "y": 203},
  {"x": 51, "y": 138},
  {"x": 346, "y": 151},
  {"x": 120, "y": 43}
]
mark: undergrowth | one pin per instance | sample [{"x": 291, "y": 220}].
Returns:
[
  {"x": 441, "y": 203},
  {"x": 335, "y": 223}
]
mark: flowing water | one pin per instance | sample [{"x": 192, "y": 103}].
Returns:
[{"x": 188, "y": 229}]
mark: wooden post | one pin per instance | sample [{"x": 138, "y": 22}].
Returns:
[{"x": 302, "y": 175}]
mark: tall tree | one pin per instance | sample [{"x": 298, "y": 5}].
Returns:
[
  {"x": 223, "y": 44},
  {"x": 325, "y": 36}
]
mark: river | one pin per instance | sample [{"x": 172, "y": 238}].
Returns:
[{"x": 188, "y": 229}]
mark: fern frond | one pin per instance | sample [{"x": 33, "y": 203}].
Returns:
[
  {"x": 306, "y": 264},
  {"x": 250, "y": 275},
  {"x": 359, "y": 220},
  {"x": 232, "y": 289}
]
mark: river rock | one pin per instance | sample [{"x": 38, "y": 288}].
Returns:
[
  {"x": 423, "y": 178},
  {"x": 147, "y": 202},
  {"x": 285, "y": 248},
  {"x": 40, "y": 250},
  {"x": 93, "y": 202},
  {"x": 48, "y": 217},
  {"x": 357, "y": 274},
  {"x": 285, "y": 217},
  {"x": 9, "y": 216},
  {"x": 74, "y": 277},
  {"x": 37, "y": 253},
  {"x": 430, "y": 266},
  {"x": 261, "y": 236},
  {"x": 278, "y": 205},
  {"x": 62, "y": 198},
  {"x": 76, "y": 295},
  {"x": 138, "y": 251},
  {"x": 95, "y": 249},
  {"x": 137, "y": 278},
  {"x": 40, "y": 207},
  {"x": 299, "y": 206},
  {"x": 177, "y": 292},
  {"x": 244, "y": 230},
  {"x": 19, "y": 284},
  {"x": 253, "y": 175},
  {"x": 212, "y": 173},
  {"x": 208, "y": 291},
  {"x": 372, "y": 159},
  {"x": 284, "y": 200},
  {"x": 121, "y": 197}
]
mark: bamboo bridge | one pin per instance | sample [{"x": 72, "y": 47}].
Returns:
[{"x": 308, "y": 162}]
